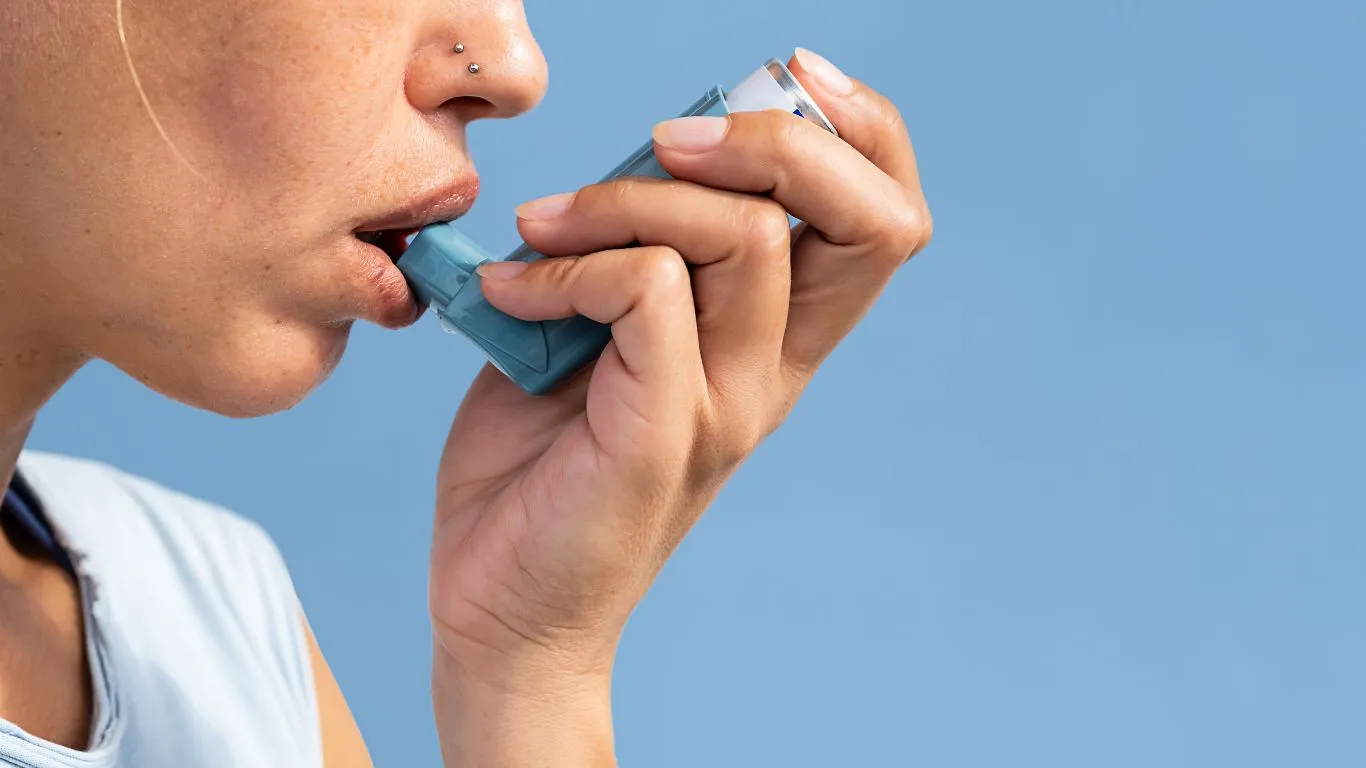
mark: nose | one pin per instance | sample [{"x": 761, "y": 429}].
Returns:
[{"x": 477, "y": 59}]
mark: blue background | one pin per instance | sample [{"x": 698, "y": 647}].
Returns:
[{"x": 1085, "y": 489}]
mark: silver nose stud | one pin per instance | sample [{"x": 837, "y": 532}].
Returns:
[{"x": 473, "y": 69}]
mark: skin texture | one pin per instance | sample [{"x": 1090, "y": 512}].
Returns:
[
  {"x": 343, "y": 746},
  {"x": 193, "y": 226},
  {"x": 42, "y": 638},
  {"x": 297, "y": 123},
  {"x": 200, "y": 240},
  {"x": 720, "y": 318}
]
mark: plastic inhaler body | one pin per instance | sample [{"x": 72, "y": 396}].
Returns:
[{"x": 440, "y": 262}]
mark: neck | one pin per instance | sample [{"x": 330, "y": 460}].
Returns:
[
  {"x": 32, "y": 368},
  {"x": 38, "y": 349}
]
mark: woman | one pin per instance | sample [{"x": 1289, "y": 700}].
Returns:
[{"x": 184, "y": 182}]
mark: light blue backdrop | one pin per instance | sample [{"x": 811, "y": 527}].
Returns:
[{"x": 1084, "y": 490}]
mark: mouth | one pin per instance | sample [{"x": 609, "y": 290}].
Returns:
[
  {"x": 392, "y": 241},
  {"x": 392, "y": 232}
]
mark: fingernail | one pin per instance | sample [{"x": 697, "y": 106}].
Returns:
[
  {"x": 828, "y": 75},
  {"x": 691, "y": 134},
  {"x": 500, "y": 270},
  {"x": 546, "y": 207}
]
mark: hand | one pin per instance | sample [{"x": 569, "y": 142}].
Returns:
[{"x": 555, "y": 514}]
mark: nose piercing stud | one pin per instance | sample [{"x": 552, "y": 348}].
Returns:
[{"x": 473, "y": 68}]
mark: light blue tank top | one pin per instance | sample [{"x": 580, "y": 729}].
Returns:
[{"x": 195, "y": 638}]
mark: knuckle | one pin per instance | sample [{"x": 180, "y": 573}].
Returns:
[
  {"x": 887, "y": 131},
  {"x": 617, "y": 192},
  {"x": 728, "y": 436},
  {"x": 893, "y": 122},
  {"x": 766, "y": 226},
  {"x": 748, "y": 421},
  {"x": 927, "y": 229},
  {"x": 592, "y": 195},
  {"x": 661, "y": 270},
  {"x": 798, "y": 370},
  {"x": 563, "y": 270},
  {"x": 622, "y": 191},
  {"x": 783, "y": 128},
  {"x": 905, "y": 230},
  {"x": 734, "y": 444},
  {"x": 744, "y": 437},
  {"x": 770, "y": 131},
  {"x": 762, "y": 121}
]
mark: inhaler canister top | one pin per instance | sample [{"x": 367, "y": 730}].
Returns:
[{"x": 772, "y": 86}]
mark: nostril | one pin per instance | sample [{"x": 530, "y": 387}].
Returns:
[{"x": 470, "y": 108}]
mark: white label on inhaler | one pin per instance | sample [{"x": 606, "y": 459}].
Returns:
[{"x": 759, "y": 92}]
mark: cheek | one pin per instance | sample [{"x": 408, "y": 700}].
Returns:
[{"x": 293, "y": 97}]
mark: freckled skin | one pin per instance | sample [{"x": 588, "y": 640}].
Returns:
[
  {"x": 230, "y": 282},
  {"x": 220, "y": 268},
  {"x": 198, "y": 233}
]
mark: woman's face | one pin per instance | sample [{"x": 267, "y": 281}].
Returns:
[{"x": 186, "y": 207}]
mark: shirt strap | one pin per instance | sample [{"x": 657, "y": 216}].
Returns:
[{"x": 22, "y": 507}]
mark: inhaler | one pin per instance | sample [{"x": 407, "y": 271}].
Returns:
[{"x": 440, "y": 261}]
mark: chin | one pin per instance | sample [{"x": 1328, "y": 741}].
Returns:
[{"x": 245, "y": 375}]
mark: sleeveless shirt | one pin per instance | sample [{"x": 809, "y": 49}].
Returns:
[{"x": 194, "y": 633}]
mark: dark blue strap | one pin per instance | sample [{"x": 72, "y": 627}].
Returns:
[{"x": 21, "y": 507}]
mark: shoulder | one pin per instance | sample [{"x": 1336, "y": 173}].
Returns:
[
  {"x": 100, "y": 509},
  {"x": 85, "y": 494},
  {"x": 202, "y": 590},
  {"x": 130, "y": 530}
]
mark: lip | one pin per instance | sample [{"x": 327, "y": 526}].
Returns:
[
  {"x": 445, "y": 203},
  {"x": 382, "y": 240}
]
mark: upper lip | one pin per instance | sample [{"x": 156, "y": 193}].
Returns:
[{"x": 444, "y": 203}]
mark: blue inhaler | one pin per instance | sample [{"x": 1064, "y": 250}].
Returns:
[{"x": 440, "y": 262}]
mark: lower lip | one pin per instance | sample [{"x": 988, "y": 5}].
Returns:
[{"x": 392, "y": 303}]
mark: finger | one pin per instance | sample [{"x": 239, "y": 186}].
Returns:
[
  {"x": 862, "y": 223},
  {"x": 859, "y": 198},
  {"x": 873, "y": 125},
  {"x": 643, "y": 293},
  {"x": 814, "y": 175},
  {"x": 738, "y": 245},
  {"x": 865, "y": 119}
]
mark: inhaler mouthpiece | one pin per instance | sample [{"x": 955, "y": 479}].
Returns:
[{"x": 440, "y": 262}]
